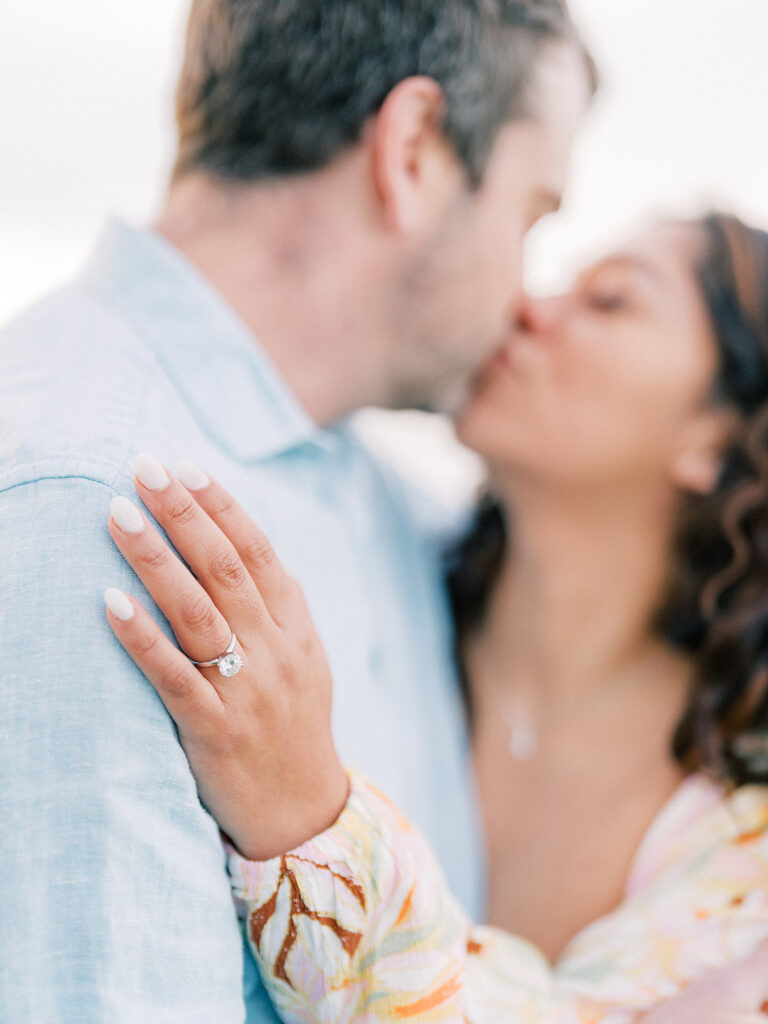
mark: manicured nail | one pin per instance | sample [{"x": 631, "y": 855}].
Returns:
[
  {"x": 150, "y": 472},
  {"x": 126, "y": 515},
  {"x": 119, "y": 604},
  {"x": 190, "y": 474}
]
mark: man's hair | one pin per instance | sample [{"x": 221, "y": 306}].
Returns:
[{"x": 278, "y": 87}]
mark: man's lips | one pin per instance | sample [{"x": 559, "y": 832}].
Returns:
[{"x": 506, "y": 356}]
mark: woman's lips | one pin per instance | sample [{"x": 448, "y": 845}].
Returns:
[
  {"x": 518, "y": 358},
  {"x": 502, "y": 360}
]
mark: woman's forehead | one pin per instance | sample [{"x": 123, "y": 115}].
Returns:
[{"x": 661, "y": 250}]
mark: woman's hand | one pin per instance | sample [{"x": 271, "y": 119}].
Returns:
[{"x": 259, "y": 743}]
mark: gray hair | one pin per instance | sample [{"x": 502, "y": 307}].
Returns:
[{"x": 278, "y": 87}]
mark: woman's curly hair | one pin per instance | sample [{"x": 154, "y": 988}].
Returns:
[{"x": 715, "y": 605}]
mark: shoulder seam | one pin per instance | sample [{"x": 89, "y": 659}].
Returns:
[{"x": 82, "y": 477}]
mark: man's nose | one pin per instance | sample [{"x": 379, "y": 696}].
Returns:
[{"x": 538, "y": 316}]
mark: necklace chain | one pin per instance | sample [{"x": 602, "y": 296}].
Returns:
[{"x": 523, "y": 732}]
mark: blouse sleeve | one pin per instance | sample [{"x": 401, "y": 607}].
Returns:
[{"x": 357, "y": 926}]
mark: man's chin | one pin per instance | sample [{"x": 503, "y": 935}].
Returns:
[
  {"x": 446, "y": 398},
  {"x": 452, "y": 399}
]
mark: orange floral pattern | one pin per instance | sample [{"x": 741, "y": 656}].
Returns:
[{"x": 357, "y": 926}]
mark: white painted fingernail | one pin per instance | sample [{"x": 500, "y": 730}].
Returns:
[
  {"x": 126, "y": 515},
  {"x": 190, "y": 474},
  {"x": 150, "y": 472},
  {"x": 119, "y": 604}
]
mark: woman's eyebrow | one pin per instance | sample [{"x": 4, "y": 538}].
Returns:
[{"x": 633, "y": 262}]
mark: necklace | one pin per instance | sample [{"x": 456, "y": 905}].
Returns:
[
  {"x": 526, "y": 723},
  {"x": 523, "y": 731},
  {"x": 525, "y": 727}
]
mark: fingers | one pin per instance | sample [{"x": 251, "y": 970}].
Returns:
[
  {"x": 202, "y": 631},
  {"x": 277, "y": 588},
  {"x": 212, "y": 557},
  {"x": 191, "y": 700}
]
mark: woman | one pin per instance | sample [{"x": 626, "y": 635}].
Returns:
[{"x": 612, "y": 611}]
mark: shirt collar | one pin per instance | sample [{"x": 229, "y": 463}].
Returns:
[{"x": 213, "y": 359}]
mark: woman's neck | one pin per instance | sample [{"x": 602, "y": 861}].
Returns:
[
  {"x": 574, "y": 704},
  {"x": 570, "y": 614}
]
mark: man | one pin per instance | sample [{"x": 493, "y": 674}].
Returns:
[{"x": 344, "y": 228}]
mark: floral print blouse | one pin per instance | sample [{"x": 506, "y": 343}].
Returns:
[{"x": 358, "y": 925}]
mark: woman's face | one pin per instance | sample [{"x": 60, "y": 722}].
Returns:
[{"x": 611, "y": 381}]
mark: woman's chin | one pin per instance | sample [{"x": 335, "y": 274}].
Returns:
[
  {"x": 482, "y": 437},
  {"x": 507, "y": 447},
  {"x": 464, "y": 428}
]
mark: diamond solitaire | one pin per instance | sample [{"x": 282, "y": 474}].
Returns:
[{"x": 230, "y": 664}]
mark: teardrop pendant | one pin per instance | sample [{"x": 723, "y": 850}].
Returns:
[{"x": 523, "y": 741}]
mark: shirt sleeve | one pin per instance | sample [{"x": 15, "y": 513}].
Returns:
[
  {"x": 358, "y": 926},
  {"x": 98, "y": 807}
]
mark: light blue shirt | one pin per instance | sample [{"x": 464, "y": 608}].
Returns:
[{"x": 114, "y": 902}]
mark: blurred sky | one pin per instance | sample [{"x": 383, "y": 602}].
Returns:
[{"x": 86, "y": 130}]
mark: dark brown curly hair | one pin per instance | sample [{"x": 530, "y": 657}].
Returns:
[{"x": 715, "y": 604}]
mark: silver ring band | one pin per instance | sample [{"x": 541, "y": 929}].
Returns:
[
  {"x": 229, "y": 663},
  {"x": 215, "y": 661}
]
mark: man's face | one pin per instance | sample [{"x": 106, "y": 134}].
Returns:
[{"x": 461, "y": 291}]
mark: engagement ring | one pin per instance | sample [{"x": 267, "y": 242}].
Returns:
[{"x": 229, "y": 663}]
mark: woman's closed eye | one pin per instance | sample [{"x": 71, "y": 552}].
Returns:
[
  {"x": 606, "y": 300},
  {"x": 612, "y": 289}
]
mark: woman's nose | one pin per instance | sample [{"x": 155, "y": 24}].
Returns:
[{"x": 539, "y": 316}]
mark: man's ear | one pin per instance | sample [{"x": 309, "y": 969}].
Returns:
[
  {"x": 697, "y": 466},
  {"x": 415, "y": 170}
]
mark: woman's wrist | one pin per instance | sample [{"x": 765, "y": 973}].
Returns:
[
  {"x": 362, "y": 834},
  {"x": 299, "y": 823}
]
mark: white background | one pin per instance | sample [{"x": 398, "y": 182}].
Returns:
[{"x": 86, "y": 100}]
